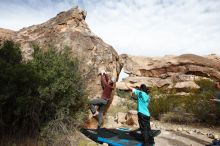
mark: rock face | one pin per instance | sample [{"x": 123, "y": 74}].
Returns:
[
  {"x": 69, "y": 29},
  {"x": 6, "y": 34},
  {"x": 117, "y": 101},
  {"x": 181, "y": 70}
]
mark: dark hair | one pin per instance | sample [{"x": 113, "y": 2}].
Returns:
[{"x": 144, "y": 88}]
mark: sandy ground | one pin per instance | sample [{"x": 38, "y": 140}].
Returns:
[
  {"x": 168, "y": 138},
  {"x": 183, "y": 135}
]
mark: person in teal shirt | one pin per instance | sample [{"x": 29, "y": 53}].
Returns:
[{"x": 143, "y": 99}]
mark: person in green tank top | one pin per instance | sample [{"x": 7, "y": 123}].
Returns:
[{"x": 143, "y": 99}]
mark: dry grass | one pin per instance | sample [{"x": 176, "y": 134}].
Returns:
[
  {"x": 9, "y": 141},
  {"x": 175, "y": 117}
]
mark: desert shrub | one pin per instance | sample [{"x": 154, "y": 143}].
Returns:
[
  {"x": 156, "y": 92},
  {"x": 123, "y": 94},
  {"x": 18, "y": 92},
  {"x": 128, "y": 103},
  {"x": 158, "y": 102},
  {"x": 197, "y": 104},
  {"x": 163, "y": 104},
  {"x": 178, "y": 117},
  {"x": 10, "y": 53},
  {"x": 44, "y": 96},
  {"x": 62, "y": 92}
]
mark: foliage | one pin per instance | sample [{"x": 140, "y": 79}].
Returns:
[
  {"x": 123, "y": 94},
  {"x": 164, "y": 103},
  {"x": 62, "y": 92},
  {"x": 197, "y": 103},
  {"x": 178, "y": 117},
  {"x": 129, "y": 103},
  {"x": 43, "y": 96},
  {"x": 18, "y": 92},
  {"x": 10, "y": 53}
]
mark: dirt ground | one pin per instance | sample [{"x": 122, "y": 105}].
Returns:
[
  {"x": 184, "y": 135},
  {"x": 180, "y": 139}
]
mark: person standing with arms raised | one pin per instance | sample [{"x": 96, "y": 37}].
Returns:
[{"x": 143, "y": 99}]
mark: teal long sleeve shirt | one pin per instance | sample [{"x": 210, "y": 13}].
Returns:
[{"x": 143, "y": 100}]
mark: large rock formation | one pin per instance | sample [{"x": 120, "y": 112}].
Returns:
[
  {"x": 173, "y": 71},
  {"x": 69, "y": 29},
  {"x": 6, "y": 34}
]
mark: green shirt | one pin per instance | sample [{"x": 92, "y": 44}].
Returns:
[{"x": 143, "y": 100}]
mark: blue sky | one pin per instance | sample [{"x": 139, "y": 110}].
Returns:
[{"x": 138, "y": 27}]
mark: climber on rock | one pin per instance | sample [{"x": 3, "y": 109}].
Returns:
[{"x": 107, "y": 86}]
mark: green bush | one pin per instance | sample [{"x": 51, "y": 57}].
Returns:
[
  {"x": 18, "y": 92},
  {"x": 62, "y": 92},
  {"x": 10, "y": 53},
  {"x": 129, "y": 103},
  {"x": 163, "y": 104},
  {"x": 196, "y": 104},
  {"x": 44, "y": 96},
  {"x": 158, "y": 102},
  {"x": 199, "y": 103},
  {"x": 123, "y": 94}
]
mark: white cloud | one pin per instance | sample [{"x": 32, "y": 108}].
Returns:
[
  {"x": 154, "y": 28},
  {"x": 138, "y": 27},
  {"x": 16, "y": 14}
]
